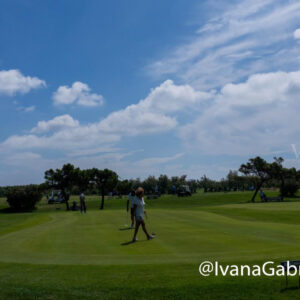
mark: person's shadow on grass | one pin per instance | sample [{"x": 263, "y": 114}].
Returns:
[
  {"x": 132, "y": 242},
  {"x": 127, "y": 228},
  {"x": 127, "y": 243}
]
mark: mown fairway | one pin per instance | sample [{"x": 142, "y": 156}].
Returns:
[{"x": 54, "y": 254}]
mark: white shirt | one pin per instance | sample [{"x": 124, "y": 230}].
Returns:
[
  {"x": 82, "y": 197},
  {"x": 139, "y": 211}
]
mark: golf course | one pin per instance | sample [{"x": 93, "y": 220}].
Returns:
[{"x": 51, "y": 253}]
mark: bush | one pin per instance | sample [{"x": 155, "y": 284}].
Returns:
[
  {"x": 22, "y": 198},
  {"x": 3, "y": 191},
  {"x": 289, "y": 189}
]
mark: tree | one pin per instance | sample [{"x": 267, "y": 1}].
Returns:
[
  {"x": 105, "y": 180},
  {"x": 286, "y": 177},
  {"x": 289, "y": 189},
  {"x": 205, "y": 183},
  {"x": 149, "y": 184},
  {"x": 233, "y": 180},
  {"x": 82, "y": 178},
  {"x": 278, "y": 172},
  {"x": 62, "y": 179},
  {"x": 50, "y": 178},
  {"x": 163, "y": 184},
  {"x": 3, "y": 191},
  {"x": 135, "y": 183},
  {"x": 124, "y": 187},
  {"x": 178, "y": 181},
  {"x": 192, "y": 183},
  {"x": 258, "y": 168}
]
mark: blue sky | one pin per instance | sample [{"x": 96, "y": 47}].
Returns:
[{"x": 147, "y": 87}]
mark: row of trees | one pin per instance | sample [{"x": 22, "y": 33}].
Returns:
[
  {"x": 255, "y": 174},
  {"x": 163, "y": 184},
  {"x": 233, "y": 182},
  {"x": 69, "y": 177},
  {"x": 71, "y": 180}
]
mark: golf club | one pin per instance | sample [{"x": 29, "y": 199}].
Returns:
[
  {"x": 153, "y": 233},
  {"x": 126, "y": 223}
]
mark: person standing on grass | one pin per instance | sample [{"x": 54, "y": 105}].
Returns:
[
  {"x": 82, "y": 203},
  {"x": 130, "y": 199},
  {"x": 139, "y": 211},
  {"x": 262, "y": 195},
  {"x": 65, "y": 196}
]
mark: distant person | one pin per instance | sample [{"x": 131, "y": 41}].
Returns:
[
  {"x": 82, "y": 203},
  {"x": 173, "y": 189},
  {"x": 130, "y": 199},
  {"x": 262, "y": 195},
  {"x": 139, "y": 211},
  {"x": 65, "y": 196}
]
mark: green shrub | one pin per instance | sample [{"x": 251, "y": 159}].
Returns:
[
  {"x": 290, "y": 189},
  {"x": 22, "y": 198}
]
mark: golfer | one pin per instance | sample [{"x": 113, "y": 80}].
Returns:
[
  {"x": 138, "y": 210},
  {"x": 130, "y": 199},
  {"x": 82, "y": 203}
]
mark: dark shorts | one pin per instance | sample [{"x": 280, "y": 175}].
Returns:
[{"x": 131, "y": 211}]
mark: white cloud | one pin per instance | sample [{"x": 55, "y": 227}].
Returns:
[
  {"x": 255, "y": 117},
  {"x": 133, "y": 121},
  {"x": 169, "y": 98},
  {"x": 78, "y": 93},
  {"x": 68, "y": 139},
  {"x": 261, "y": 89},
  {"x": 22, "y": 157},
  {"x": 29, "y": 108},
  {"x": 95, "y": 144},
  {"x": 93, "y": 151},
  {"x": 13, "y": 81},
  {"x": 58, "y": 123},
  {"x": 249, "y": 37},
  {"x": 62, "y": 133},
  {"x": 259, "y": 116},
  {"x": 297, "y": 34},
  {"x": 155, "y": 112},
  {"x": 154, "y": 161},
  {"x": 25, "y": 109},
  {"x": 29, "y": 161}
]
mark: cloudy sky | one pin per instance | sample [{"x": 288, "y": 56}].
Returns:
[{"x": 147, "y": 87}]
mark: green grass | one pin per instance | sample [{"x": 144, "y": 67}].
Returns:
[{"x": 54, "y": 254}]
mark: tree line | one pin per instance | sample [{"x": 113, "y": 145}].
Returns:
[{"x": 253, "y": 175}]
